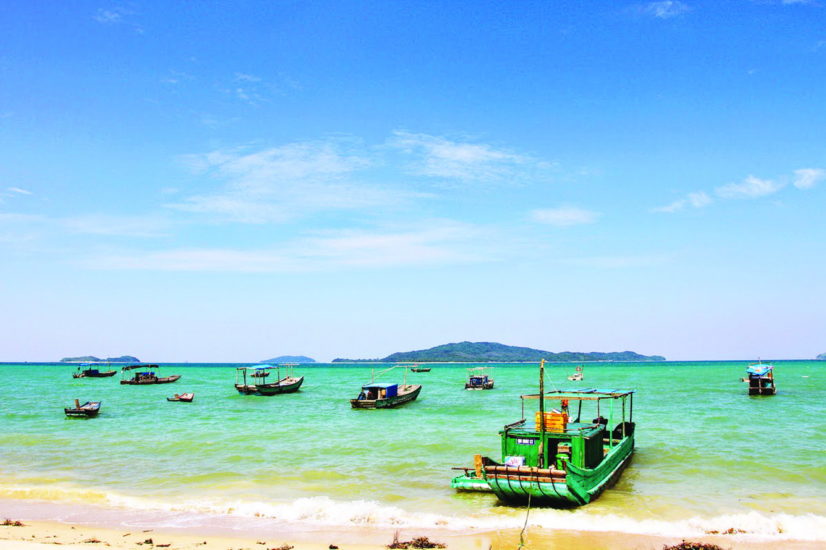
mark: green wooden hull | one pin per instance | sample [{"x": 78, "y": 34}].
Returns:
[
  {"x": 470, "y": 483},
  {"x": 579, "y": 487}
]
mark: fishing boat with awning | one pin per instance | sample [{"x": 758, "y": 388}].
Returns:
[
  {"x": 250, "y": 380},
  {"x": 562, "y": 459},
  {"x": 385, "y": 395},
  {"x": 148, "y": 375},
  {"x": 761, "y": 379},
  {"x": 90, "y": 370}
]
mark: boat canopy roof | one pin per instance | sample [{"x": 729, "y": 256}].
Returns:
[
  {"x": 257, "y": 367},
  {"x": 132, "y": 367},
  {"x": 582, "y": 395},
  {"x": 379, "y": 385},
  {"x": 759, "y": 369}
]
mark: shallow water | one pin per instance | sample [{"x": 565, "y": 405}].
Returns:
[{"x": 708, "y": 456}]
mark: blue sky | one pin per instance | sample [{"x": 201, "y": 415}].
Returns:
[{"x": 228, "y": 181}]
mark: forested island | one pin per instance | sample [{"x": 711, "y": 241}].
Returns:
[
  {"x": 821, "y": 357},
  {"x": 289, "y": 359},
  {"x": 93, "y": 359},
  {"x": 492, "y": 352}
]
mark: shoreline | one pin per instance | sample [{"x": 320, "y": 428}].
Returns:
[{"x": 48, "y": 524}]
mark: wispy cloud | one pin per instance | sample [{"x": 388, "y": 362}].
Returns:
[
  {"x": 439, "y": 157},
  {"x": 108, "y": 16},
  {"x": 287, "y": 182},
  {"x": 117, "y": 15},
  {"x": 564, "y": 216},
  {"x": 19, "y": 191},
  {"x": 698, "y": 199},
  {"x": 750, "y": 188},
  {"x": 255, "y": 90},
  {"x": 806, "y": 178},
  {"x": 440, "y": 243},
  {"x": 665, "y": 9}
]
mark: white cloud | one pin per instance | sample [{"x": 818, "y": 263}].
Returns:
[
  {"x": 437, "y": 243},
  {"x": 697, "y": 199},
  {"x": 287, "y": 182},
  {"x": 243, "y": 77},
  {"x": 665, "y": 9},
  {"x": 806, "y": 178},
  {"x": 439, "y": 157},
  {"x": 564, "y": 216},
  {"x": 108, "y": 16},
  {"x": 749, "y": 188},
  {"x": 19, "y": 191}
]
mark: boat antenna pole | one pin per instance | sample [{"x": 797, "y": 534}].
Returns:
[{"x": 542, "y": 413}]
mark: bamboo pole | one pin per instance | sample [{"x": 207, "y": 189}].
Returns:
[{"x": 542, "y": 458}]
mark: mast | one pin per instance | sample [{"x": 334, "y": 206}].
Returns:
[{"x": 542, "y": 458}]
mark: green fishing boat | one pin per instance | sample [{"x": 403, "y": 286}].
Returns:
[{"x": 562, "y": 459}]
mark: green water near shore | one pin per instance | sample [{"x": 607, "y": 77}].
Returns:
[{"x": 705, "y": 449}]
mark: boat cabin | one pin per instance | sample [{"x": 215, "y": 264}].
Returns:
[
  {"x": 575, "y": 431},
  {"x": 378, "y": 390}
]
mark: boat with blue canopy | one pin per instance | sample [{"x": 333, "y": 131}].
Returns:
[
  {"x": 479, "y": 378},
  {"x": 761, "y": 379},
  {"x": 90, "y": 370},
  {"x": 385, "y": 395}
]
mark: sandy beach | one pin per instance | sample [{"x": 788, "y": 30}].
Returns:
[{"x": 37, "y": 535}]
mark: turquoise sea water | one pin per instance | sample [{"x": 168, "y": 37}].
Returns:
[{"x": 708, "y": 456}]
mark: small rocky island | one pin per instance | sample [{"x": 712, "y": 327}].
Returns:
[
  {"x": 492, "y": 352},
  {"x": 821, "y": 357},
  {"x": 93, "y": 359}
]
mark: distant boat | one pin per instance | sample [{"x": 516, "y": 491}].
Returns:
[
  {"x": 90, "y": 409},
  {"x": 561, "y": 461},
  {"x": 577, "y": 376},
  {"x": 419, "y": 369},
  {"x": 479, "y": 379},
  {"x": 86, "y": 370},
  {"x": 246, "y": 383},
  {"x": 384, "y": 395},
  {"x": 761, "y": 379},
  {"x": 182, "y": 397},
  {"x": 147, "y": 376}
]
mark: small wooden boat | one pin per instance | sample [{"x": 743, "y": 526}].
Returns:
[
  {"x": 419, "y": 369},
  {"x": 577, "y": 376},
  {"x": 761, "y": 379},
  {"x": 246, "y": 380},
  {"x": 479, "y": 379},
  {"x": 556, "y": 462},
  {"x": 383, "y": 395},
  {"x": 147, "y": 376},
  {"x": 87, "y": 370},
  {"x": 90, "y": 409},
  {"x": 182, "y": 397}
]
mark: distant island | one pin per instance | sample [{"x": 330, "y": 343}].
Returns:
[
  {"x": 492, "y": 352},
  {"x": 289, "y": 359},
  {"x": 821, "y": 357},
  {"x": 93, "y": 359}
]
